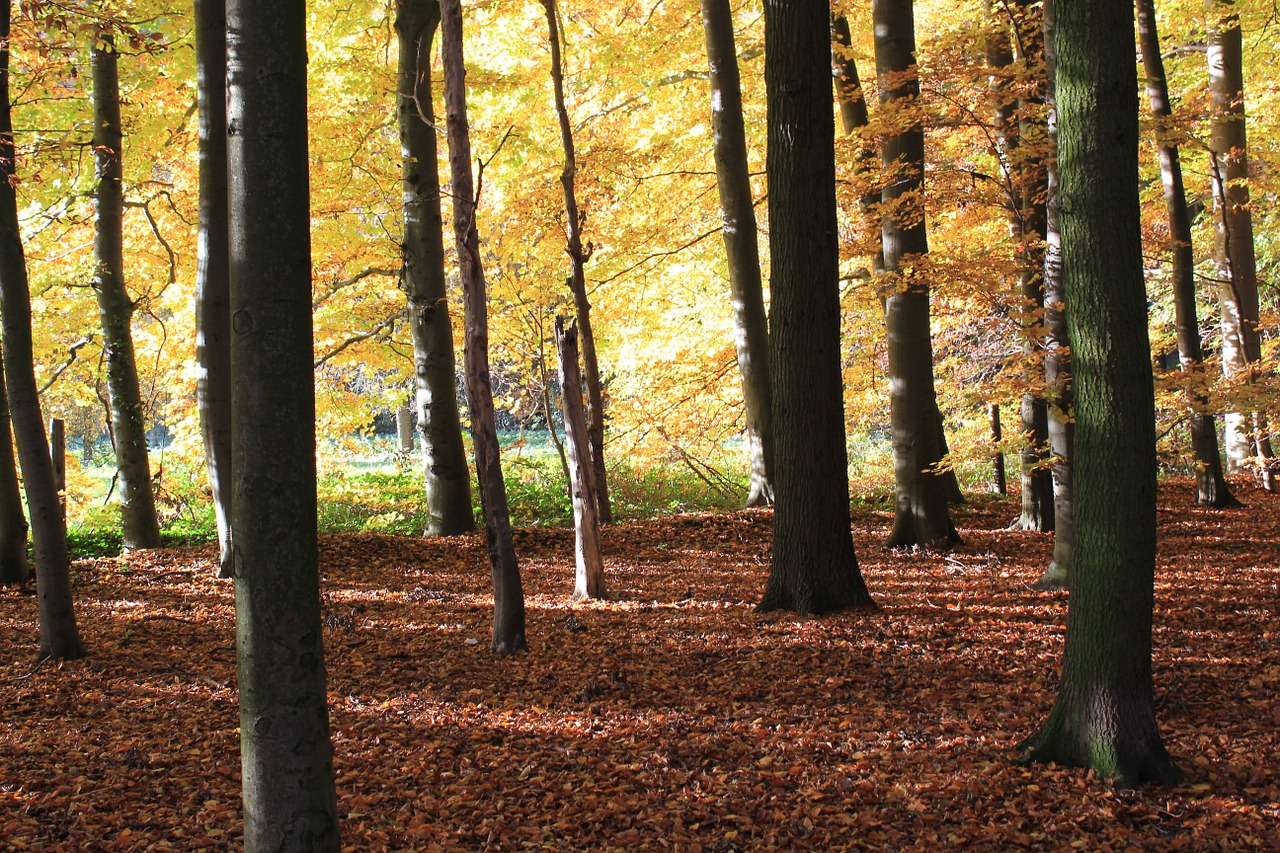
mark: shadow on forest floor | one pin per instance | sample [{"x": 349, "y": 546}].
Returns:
[{"x": 672, "y": 717}]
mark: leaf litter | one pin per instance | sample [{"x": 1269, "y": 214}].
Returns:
[{"x": 671, "y": 717}]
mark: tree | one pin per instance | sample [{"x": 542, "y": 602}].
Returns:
[
  {"x": 921, "y": 516},
  {"x": 737, "y": 209},
  {"x": 59, "y": 636},
  {"x": 13, "y": 523},
  {"x": 854, "y": 117},
  {"x": 1211, "y": 485},
  {"x": 1104, "y": 717},
  {"x": 444, "y": 457},
  {"x": 814, "y": 568},
  {"x": 589, "y": 578},
  {"x": 213, "y": 313},
  {"x": 141, "y": 528},
  {"x": 1235, "y": 256},
  {"x": 286, "y": 752},
  {"x": 578, "y": 255},
  {"x": 508, "y": 593}
]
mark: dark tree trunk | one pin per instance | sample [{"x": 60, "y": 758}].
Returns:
[
  {"x": 1104, "y": 717},
  {"x": 737, "y": 207},
  {"x": 921, "y": 516},
  {"x": 59, "y": 636},
  {"x": 444, "y": 455},
  {"x": 999, "y": 483},
  {"x": 286, "y": 752},
  {"x": 508, "y": 594},
  {"x": 1246, "y": 439},
  {"x": 115, "y": 309},
  {"x": 589, "y": 579},
  {"x": 1057, "y": 353},
  {"x": 814, "y": 568},
  {"x": 13, "y": 522},
  {"x": 1211, "y": 485},
  {"x": 213, "y": 295},
  {"x": 853, "y": 117},
  {"x": 577, "y": 279}
]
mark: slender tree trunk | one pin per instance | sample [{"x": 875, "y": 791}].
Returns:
[
  {"x": 999, "y": 484},
  {"x": 286, "y": 751},
  {"x": 1057, "y": 350},
  {"x": 13, "y": 522},
  {"x": 814, "y": 568},
  {"x": 921, "y": 515},
  {"x": 853, "y": 117},
  {"x": 508, "y": 594},
  {"x": 213, "y": 295},
  {"x": 1246, "y": 434},
  {"x": 1211, "y": 485},
  {"x": 115, "y": 309},
  {"x": 589, "y": 581},
  {"x": 1104, "y": 717},
  {"x": 578, "y": 256},
  {"x": 59, "y": 636},
  {"x": 444, "y": 456},
  {"x": 737, "y": 207},
  {"x": 404, "y": 428}
]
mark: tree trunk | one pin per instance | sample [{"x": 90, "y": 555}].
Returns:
[
  {"x": 589, "y": 581},
  {"x": 286, "y": 752},
  {"x": 1104, "y": 717},
  {"x": 115, "y": 309},
  {"x": 853, "y": 117},
  {"x": 1057, "y": 351},
  {"x": 921, "y": 515},
  {"x": 1246, "y": 434},
  {"x": 404, "y": 428},
  {"x": 1211, "y": 485},
  {"x": 13, "y": 523},
  {"x": 814, "y": 568},
  {"x": 999, "y": 483},
  {"x": 444, "y": 456},
  {"x": 508, "y": 594},
  {"x": 58, "y": 456},
  {"x": 737, "y": 207},
  {"x": 213, "y": 297},
  {"x": 577, "y": 280},
  {"x": 59, "y": 636}
]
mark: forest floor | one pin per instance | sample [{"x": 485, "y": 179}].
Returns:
[{"x": 672, "y": 717}]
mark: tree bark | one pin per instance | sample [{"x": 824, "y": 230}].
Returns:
[
  {"x": 853, "y": 117},
  {"x": 589, "y": 579},
  {"x": 1211, "y": 484},
  {"x": 814, "y": 568},
  {"x": 921, "y": 516},
  {"x": 141, "y": 529},
  {"x": 13, "y": 522},
  {"x": 574, "y": 217},
  {"x": 1104, "y": 717},
  {"x": 999, "y": 483},
  {"x": 508, "y": 594},
  {"x": 444, "y": 456},
  {"x": 59, "y": 636},
  {"x": 737, "y": 209},
  {"x": 404, "y": 428},
  {"x": 286, "y": 751},
  {"x": 213, "y": 295},
  {"x": 1246, "y": 433}
]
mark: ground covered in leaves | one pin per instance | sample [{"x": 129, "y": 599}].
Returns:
[{"x": 672, "y": 717}]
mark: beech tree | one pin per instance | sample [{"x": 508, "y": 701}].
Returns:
[
  {"x": 737, "y": 210},
  {"x": 589, "y": 576},
  {"x": 13, "y": 523},
  {"x": 444, "y": 456},
  {"x": 508, "y": 593},
  {"x": 1211, "y": 484},
  {"x": 140, "y": 526},
  {"x": 213, "y": 295},
  {"x": 59, "y": 636},
  {"x": 814, "y": 568},
  {"x": 1104, "y": 717},
  {"x": 286, "y": 752},
  {"x": 921, "y": 516}
]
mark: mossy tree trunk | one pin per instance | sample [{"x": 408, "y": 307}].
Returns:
[
  {"x": 140, "y": 527},
  {"x": 814, "y": 568},
  {"x": 59, "y": 636},
  {"x": 444, "y": 456},
  {"x": 1104, "y": 717},
  {"x": 508, "y": 593},
  {"x": 286, "y": 751},
  {"x": 737, "y": 209}
]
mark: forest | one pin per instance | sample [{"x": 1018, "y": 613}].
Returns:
[{"x": 638, "y": 425}]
